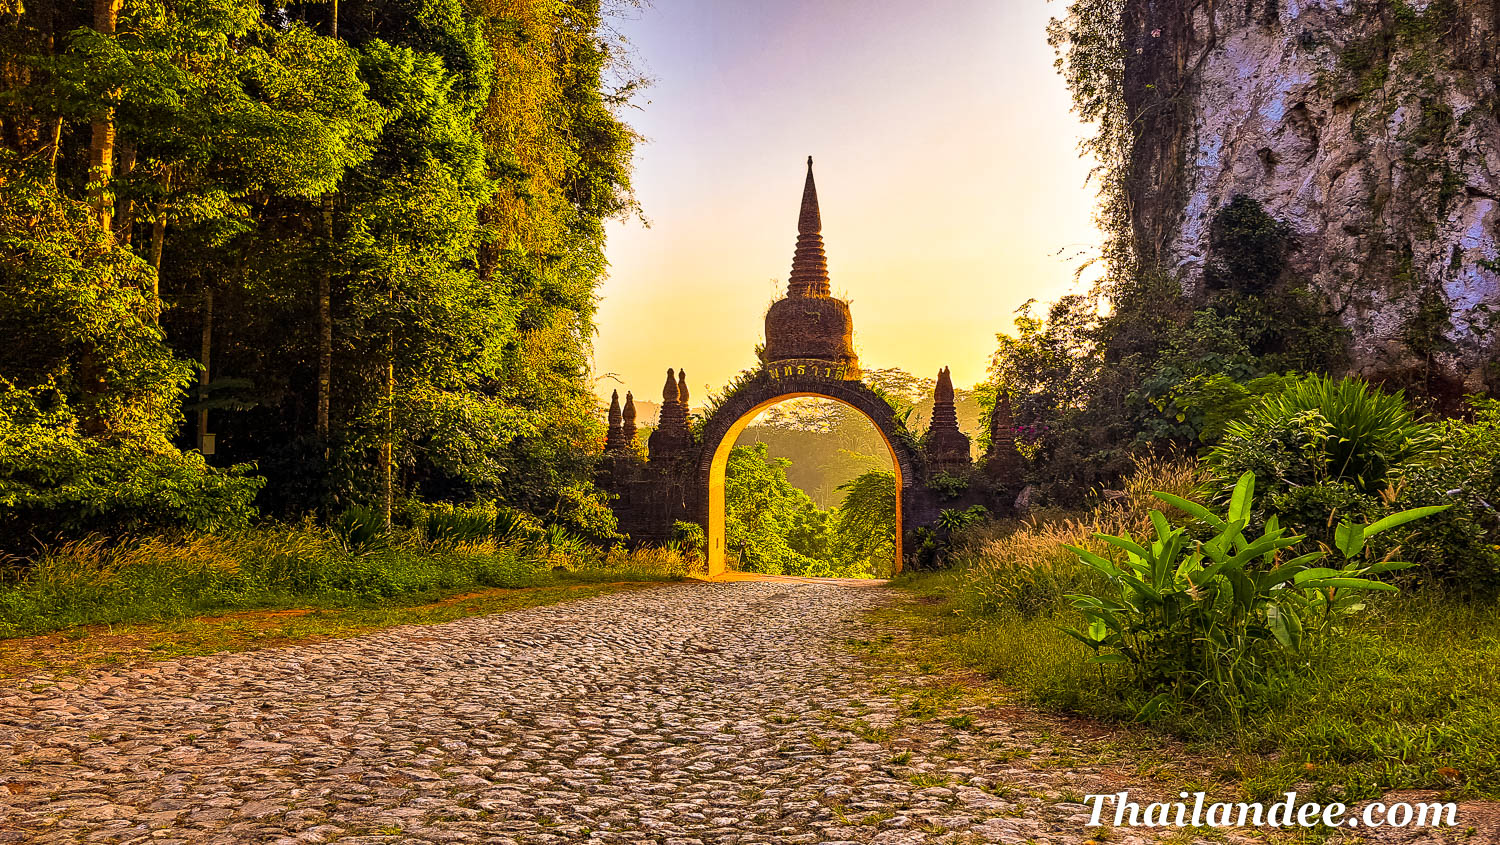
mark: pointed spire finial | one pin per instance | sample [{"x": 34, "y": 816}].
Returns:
[
  {"x": 809, "y": 221},
  {"x": 809, "y": 262},
  {"x": 669, "y": 390},
  {"x": 627, "y": 425},
  {"x": 682, "y": 391}
]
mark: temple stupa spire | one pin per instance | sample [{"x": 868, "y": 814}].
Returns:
[
  {"x": 614, "y": 440},
  {"x": 627, "y": 422},
  {"x": 947, "y": 445},
  {"x": 809, "y": 261},
  {"x": 809, "y": 325}
]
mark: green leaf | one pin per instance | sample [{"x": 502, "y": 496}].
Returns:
[
  {"x": 1351, "y": 583},
  {"x": 1127, "y": 544},
  {"x": 1095, "y": 561},
  {"x": 1403, "y": 517},
  {"x": 1192, "y": 509},
  {"x": 1349, "y": 538},
  {"x": 1152, "y": 707},
  {"x": 1239, "y": 501},
  {"x": 1093, "y": 644}
]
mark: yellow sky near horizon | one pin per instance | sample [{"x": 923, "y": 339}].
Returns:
[{"x": 947, "y": 168}]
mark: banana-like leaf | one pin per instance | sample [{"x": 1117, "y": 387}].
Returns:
[
  {"x": 1127, "y": 544},
  {"x": 1203, "y": 576},
  {"x": 1351, "y": 583},
  {"x": 1276, "y": 620},
  {"x": 1151, "y": 708},
  {"x": 1192, "y": 509},
  {"x": 1097, "y": 562},
  {"x": 1159, "y": 522},
  {"x": 1081, "y": 638},
  {"x": 1239, "y": 501},
  {"x": 1290, "y": 569},
  {"x": 1349, "y": 538},
  {"x": 1403, "y": 517},
  {"x": 1314, "y": 573},
  {"x": 1261, "y": 546}
]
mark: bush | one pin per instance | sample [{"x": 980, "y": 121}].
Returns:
[
  {"x": 1027, "y": 570},
  {"x": 1343, "y": 436},
  {"x": 55, "y": 485},
  {"x": 1458, "y": 548},
  {"x": 103, "y": 581},
  {"x": 1219, "y": 617}
]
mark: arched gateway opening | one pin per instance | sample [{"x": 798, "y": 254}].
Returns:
[
  {"x": 809, "y": 352},
  {"x": 723, "y": 427}
]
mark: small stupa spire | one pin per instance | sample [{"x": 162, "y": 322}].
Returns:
[
  {"x": 627, "y": 423},
  {"x": 673, "y": 432},
  {"x": 613, "y": 440},
  {"x": 809, "y": 262},
  {"x": 1002, "y": 462},
  {"x": 809, "y": 222},
  {"x": 944, "y": 392},
  {"x": 947, "y": 445},
  {"x": 669, "y": 391}
]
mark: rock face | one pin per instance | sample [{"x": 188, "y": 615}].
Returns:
[{"x": 1371, "y": 126}]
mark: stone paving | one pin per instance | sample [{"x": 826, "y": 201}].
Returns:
[{"x": 694, "y": 713}]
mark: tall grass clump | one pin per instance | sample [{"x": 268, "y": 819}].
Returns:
[
  {"x": 1026, "y": 569},
  {"x": 348, "y": 564}
]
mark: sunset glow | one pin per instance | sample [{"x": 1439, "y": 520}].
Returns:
[{"x": 947, "y": 167}]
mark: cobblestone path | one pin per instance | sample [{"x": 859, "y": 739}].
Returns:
[{"x": 693, "y": 713}]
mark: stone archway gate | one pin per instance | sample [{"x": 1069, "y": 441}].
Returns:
[
  {"x": 779, "y": 383},
  {"x": 809, "y": 352}
]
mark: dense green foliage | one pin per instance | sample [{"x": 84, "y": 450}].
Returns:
[
  {"x": 1220, "y": 617},
  {"x": 773, "y": 527},
  {"x": 377, "y": 239},
  {"x": 1397, "y": 694}
]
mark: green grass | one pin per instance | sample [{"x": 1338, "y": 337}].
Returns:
[
  {"x": 74, "y": 649},
  {"x": 1407, "y": 696},
  {"x": 282, "y": 567}
]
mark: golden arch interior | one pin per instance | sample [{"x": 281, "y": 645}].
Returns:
[{"x": 717, "y": 559}]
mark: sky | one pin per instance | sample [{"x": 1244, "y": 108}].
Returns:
[{"x": 948, "y": 175}]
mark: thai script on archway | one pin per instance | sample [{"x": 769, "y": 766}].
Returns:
[{"x": 809, "y": 352}]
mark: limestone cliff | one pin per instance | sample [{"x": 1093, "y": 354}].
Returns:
[{"x": 1368, "y": 125}]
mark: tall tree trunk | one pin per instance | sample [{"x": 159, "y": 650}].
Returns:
[
  {"x": 388, "y": 444},
  {"x": 325, "y": 325},
  {"x": 158, "y": 245},
  {"x": 125, "y": 220},
  {"x": 205, "y": 357},
  {"x": 102, "y": 143},
  {"x": 325, "y": 298}
]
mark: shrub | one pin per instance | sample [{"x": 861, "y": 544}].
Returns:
[
  {"x": 1217, "y": 617},
  {"x": 1026, "y": 570},
  {"x": 449, "y": 525},
  {"x": 1458, "y": 548},
  {"x": 1345, "y": 437},
  {"x": 54, "y": 485}
]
